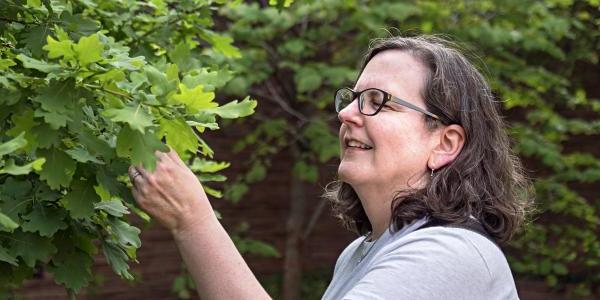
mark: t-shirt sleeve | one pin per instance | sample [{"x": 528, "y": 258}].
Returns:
[{"x": 432, "y": 263}]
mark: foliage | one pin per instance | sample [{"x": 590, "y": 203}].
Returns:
[
  {"x": 88, "y": 88},
  {"x": 314, "y": 284},
  {"x": 536, "y": 54}
]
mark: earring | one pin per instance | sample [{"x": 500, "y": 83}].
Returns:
[{"x": 431, "y": 175}]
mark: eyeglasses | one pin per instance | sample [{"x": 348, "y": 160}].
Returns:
[{"x": 370, "y": 101}]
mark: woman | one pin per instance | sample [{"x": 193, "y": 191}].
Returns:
[{"x": 426, "y": 173}]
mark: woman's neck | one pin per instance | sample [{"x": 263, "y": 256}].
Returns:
[{"x": 377, "y": 205}]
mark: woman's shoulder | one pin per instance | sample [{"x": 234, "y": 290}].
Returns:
[
  {"x": 346, "y": 254},
  {"x": 427, "y": 263},
  {"x": 454, "y": 248}
]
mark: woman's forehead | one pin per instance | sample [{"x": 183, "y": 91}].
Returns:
[{"x": 394, "y": 71}]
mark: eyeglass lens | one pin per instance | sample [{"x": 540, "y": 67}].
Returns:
[{"x": 369, "y": 102}]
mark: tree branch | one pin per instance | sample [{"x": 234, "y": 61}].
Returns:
[
  {"x": 283, "y": 104},
  {"x": 313, "y": 219},
  {"x": 93, "y": 86},
  {"x": 19, "y": 21}
]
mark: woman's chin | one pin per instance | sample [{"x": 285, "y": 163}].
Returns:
[{"x": 348, "y": 174}]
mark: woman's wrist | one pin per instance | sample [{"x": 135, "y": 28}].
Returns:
[{"x": 194, "y": 222}]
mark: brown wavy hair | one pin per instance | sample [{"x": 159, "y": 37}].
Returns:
[{"x": 486, "y": 180}]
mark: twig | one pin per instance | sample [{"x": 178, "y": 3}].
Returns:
[
  {"x": 93, "y": 86},
  {"x": 171, "y": 22},
  {"x": 19, "y": 21},
  {"x": 284, "y": 105}
]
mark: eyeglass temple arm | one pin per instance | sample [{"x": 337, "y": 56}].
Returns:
[{"x": 412, "y": 106}]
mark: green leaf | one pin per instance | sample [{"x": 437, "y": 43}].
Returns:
[
  {"x": 58, "y": 102},
  {"x": 13, "y": 169},
  {"x": 209, "y": 79},
  {"x": 208, "y": 166},
  {"x": 322, "y": 141},
  {"x": 32, "y": 247},
  {"x": 63, "y": 48},
  {"x": 135, "y": 116},
  {"x": 306, "y": 172},
  {"x": 23, "y": 122},
  {"x": 59, "y": 168},
  {"x": 45, "y": 220},
  {"x": 54, "y": 118},
  {"x": 95, "y": 145},
  {"x": 82, "y": 155},
  {"x": 6, "y": 63},
  {"x": 221, "y": 43},
  {"x": 212, "y": 192},
  {"x": 257, "y": 173},
  {"x": 89, "y": 50},
  {"x": 235, "y": 109},
  {"x": 112, "y": 207},
  {"x": 211, "y": 177},
  {"x": 236, "y": 191},
  {"x": 308, "y": 80},
  {"x": 6, "y": 223},
  {"x": 34, "y": 3},
  {"x": 194, "y": 99},
  {"x": 139, "y": 148},
  {"x": 15, "y": 197},
  {"x": 117, "y": 258},
  {"x": 560, "y": 269},
  {"x": 39, "y": 65},
  {"x": 10, "y": 97},
  {"x": 13, "y": 145},
  {"x": 280, "y": 4},
  {"x": 45, "y": 136},
  {"x": 6, "y": 257},
  {"x": 74, "y": 272},
  {"x": 161, "y": 85},
  {"x": 180, "y": 55},
  {"x": 80, "y": 200},
  {"x": 81, "y": 24},
  {"x": 34, "y": 37},
  {"x": 202, "y": 125},
  {"x": 253, "y": 246},
  {"x": 126, "y": 235},
  {"x": 179, "y": 136}
]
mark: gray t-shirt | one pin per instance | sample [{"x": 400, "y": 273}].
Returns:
[{"x": 430, "y": 263}]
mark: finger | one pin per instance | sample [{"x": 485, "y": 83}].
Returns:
[
  {"x": 144, "y": 173},
  {"x": 162, "y": 156},
  {"x": 137, "y": 195},
  {"x": 135, "y": 175},
  {"x": 134, "y": 171},
  {"x": 175, "y": 157}
]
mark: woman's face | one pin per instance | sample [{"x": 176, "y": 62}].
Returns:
[{"x": 398, "y": 137}]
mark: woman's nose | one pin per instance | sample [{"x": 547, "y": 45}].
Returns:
[{"x": 351, "y": 114}]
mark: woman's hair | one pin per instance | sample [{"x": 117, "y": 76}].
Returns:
[{"x": 485, "y": 180}]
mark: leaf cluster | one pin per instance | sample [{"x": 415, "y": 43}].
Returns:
[{"x": 89, "y": 88}]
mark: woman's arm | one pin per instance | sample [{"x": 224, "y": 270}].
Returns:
[
  {"x": 218, "y": 269},
  {"x": 173, "y": 196}
]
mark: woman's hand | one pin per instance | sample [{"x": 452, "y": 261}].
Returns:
[{"x": 171, "y": 194}]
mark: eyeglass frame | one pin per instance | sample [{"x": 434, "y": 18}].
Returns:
[{"x": 387, "y": 97}]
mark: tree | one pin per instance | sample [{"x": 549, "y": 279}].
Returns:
[
  {"x": 88, "y": 88},
  {"x": 535, "y": 55}
]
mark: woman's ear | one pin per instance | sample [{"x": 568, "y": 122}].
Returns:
[{"x": 449, "y": 144}]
